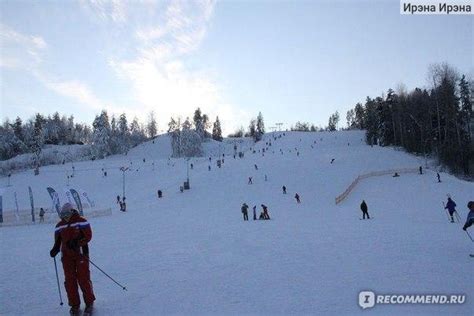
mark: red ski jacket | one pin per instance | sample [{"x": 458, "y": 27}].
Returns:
[{"x": 73, "y": 236}]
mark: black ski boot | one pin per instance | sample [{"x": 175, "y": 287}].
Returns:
[
  {"x": 88, "y": 310},
  {"x": 74, "y": 310}
]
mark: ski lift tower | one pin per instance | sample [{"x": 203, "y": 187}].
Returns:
[{"x": 279, "y": 126}]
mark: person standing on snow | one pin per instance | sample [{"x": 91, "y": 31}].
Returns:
[
  {"x": 297, "y": 197},
  {"x": 470, "y": 216},
  {"x": 284, "y": 189},
  {"x": 41, "y": 214},
  {"x": 72, "y": 235},
  {"x": 364, "y": 209},
  {"x": 255, "y": 212},
  {"x": 451, "y": 207},
  {"x": 265, "y": 211},
  {"x": 245, "y": 211}
]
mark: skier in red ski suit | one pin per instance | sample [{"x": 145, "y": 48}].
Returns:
[{"x": 72, "y": 234}]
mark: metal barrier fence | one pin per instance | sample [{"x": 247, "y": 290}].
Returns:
[{"x": 342, "y": 196}]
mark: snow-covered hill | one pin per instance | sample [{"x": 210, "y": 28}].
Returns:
[{"x": 191, "y": 252}]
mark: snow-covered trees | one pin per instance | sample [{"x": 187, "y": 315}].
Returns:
[
  {"x": 107, "y": 138},
  {"x": 38, "y": 137},
  {"x": 137, "y": 133},
  {"x": 238, "y": 133},
  {"x": 123, "y": 133},
  {"x": 426, "y": 121},
  {"x": 252, "y": 128},
  {"x": 216, "y": 130},
  {"x": 256, "y": 127},
  {"x": 10, "y": 142},
  {"x": 350, "y": 118},
  {"x": 101, "y": 135},
  {"x": 185, "y": 142},
  {"x": 187, "y": 137},
  {"x": 333, "y": 121},
  {"x": 199, "y": 123},
  {"x": 260, "y": 127},
  {"x": 151, "y": 125}
]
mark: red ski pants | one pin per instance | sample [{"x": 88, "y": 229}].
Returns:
[{"x": 76, "y": 272}]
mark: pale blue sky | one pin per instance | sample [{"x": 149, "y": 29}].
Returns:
[{"x": 291, "y": 60}]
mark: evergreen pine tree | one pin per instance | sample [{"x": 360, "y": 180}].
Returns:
[
  {"x": 252, "y": 128},
  {"x": 151, "y": 126},
  {"x": 101, "y": 135},
  {"x": 260, "y": 127},
  {"x": 217, "y": 131}
]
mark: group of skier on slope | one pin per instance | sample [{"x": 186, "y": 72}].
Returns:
[{"x": 73, "y": 234}]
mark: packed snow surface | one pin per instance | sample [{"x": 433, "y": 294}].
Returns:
[{"x": 191, "y": 253}]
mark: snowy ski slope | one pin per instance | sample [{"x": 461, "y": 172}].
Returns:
[{"x": 191, "y": 253}]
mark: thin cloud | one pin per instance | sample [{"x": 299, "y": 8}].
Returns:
[
  {"x": 20, "y": 50},
  {"x": 158, "y": 74},
  {"x": 105, "y": 10},
  {"x": 25, "y": 52}
]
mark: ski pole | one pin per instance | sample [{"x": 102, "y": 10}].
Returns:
[
  {"x": 458, "y": 217},
  {"x": 123, "y": 287},
  {"x": 469, "y": 235},
  {"x": 57, "y": 279},
  {"x": 447, "y": 213}
]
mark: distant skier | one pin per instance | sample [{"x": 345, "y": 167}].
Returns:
[
  {"x": 41, "y": 214},
  {"x": 256, "y": 167},
  {"x": 470, "y": 216},
  {"x": 265, "y": 211},
  {"x": 284, "y": 189},
  {"x": 160, "y": 194},
  {"x": 266, "y": 178},
  {"x": 192, "y": 166},
  {"x": 118, "y": 199},
  {"x": 297, "y": 197},
  {"x": 364, "y": 209},
  {"x": 208, "y": 168},
  {"x": 438, "y": 176},
  {"x": 245, "y": 209},
  {"x": 451, "y": 207},
  {"x": 255, "y": 212},
  {"x": 420, "y": 169},
  {"x": 332, "y": 160},
  {"x": 396, "y": 175},
  {"x": 123, "y": 205},
  {"x": 250, "y": 180}
]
